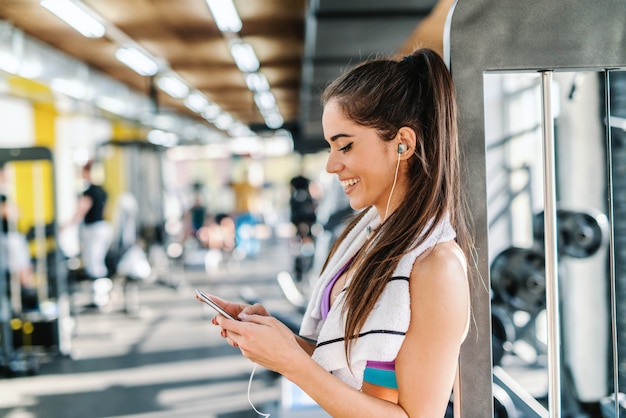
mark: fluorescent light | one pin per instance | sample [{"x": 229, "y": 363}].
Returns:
[
  {"x": 211, "y": 111},
  {"x": 257, "y": 82},
  {"x": 264, "y": 100},
  {"x": 196, "y": 102},
  {"x": 225, "y": 15},
  {"x": 77, "y": 15},
  {"x": 244, "y": 57},
  {"x": 223, "y": 121},
  {"x": 273, "y": 120},
  {"x": 173, "y": 85},
  {"x": 137, "y": 60}
]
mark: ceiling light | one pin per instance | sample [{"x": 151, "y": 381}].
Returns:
[
  {"x": 196, "y": 102},
  {"x": 273, "y": 120},
  {"x": 223, "y": 121},
  {"x": 211, "y": 111},
  {"x": 257, "y": 82},
  {"x": 77, "y": 15},
  {"x": 225, "y": 15},
  {"x": 173, "y": 85},
  {"x": 244, "y": 57},
  {"x": 137, "y": 60},
  {"x": 265, "y": 100}
]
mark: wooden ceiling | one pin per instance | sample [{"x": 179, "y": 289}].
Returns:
[{"x": 183, "y": 33}]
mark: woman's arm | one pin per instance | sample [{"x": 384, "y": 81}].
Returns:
[
  {"x": 82, "y": 207},
  {"x": 266, "y": 341},
  {"x": 428, "y": 359}
]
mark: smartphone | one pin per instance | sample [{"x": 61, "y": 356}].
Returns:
[{"x": 207, "y": 299}]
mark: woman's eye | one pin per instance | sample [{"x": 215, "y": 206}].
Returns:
[{"x": 346, "y": 148}]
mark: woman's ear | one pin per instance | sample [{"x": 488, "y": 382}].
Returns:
[{"x": 406, "y": 140}]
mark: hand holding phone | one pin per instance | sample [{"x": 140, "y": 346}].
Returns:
[{"x": 213, "y": 304}]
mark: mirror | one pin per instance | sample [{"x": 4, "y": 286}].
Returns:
[{"x": 515, "y": 204}]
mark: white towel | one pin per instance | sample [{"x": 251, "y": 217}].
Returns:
[{"x": 383, "y": 332}]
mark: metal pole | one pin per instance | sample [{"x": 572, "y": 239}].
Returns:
[
  {"x": 612, "y": 282},
  {"x": 550, "y": 243}
]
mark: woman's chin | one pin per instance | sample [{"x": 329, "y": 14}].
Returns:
[{"x": 357, "y": 205}]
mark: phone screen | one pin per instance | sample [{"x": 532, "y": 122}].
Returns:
[{"x": 207, "y": 299}]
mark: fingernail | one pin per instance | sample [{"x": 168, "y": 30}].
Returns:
[{"x": 242, "y": 316}]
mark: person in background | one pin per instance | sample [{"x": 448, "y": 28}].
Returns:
[
  {"x": 95, "y": 235},
  {"x": 382, "y": 333},
  {"x": 17, "y": 256},
  {"x": 95, "y": 231},
  {"x": 302, "y": 205},
  {"x": 303, "y": 215},
  {"x": 196, "y": 216}
]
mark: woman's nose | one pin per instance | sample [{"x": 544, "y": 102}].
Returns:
[{"x": 332, "y": 164}]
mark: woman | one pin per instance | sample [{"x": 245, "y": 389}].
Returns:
[{"x": 392, "y": 306}]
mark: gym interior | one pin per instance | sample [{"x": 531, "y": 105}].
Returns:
[{"x": 541, "y": 90}]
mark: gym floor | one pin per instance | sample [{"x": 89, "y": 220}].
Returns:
[{"x": 164, "y": 360}]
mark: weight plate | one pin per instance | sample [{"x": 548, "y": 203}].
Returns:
[
  {"x": 579, "y": 234},
  {"x": 518, "y": 279}
]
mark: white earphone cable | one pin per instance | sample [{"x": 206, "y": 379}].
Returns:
[
  {"x": 249, "y": 400},
  {"x": 393, "y": 186}
]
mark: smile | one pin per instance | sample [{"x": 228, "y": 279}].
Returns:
[{"x": 350, "y": 182}]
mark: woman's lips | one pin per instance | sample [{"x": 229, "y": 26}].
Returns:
[{"x": 349, "y": 184}]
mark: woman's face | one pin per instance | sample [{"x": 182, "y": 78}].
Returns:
[{"x": 364, "y": 163}]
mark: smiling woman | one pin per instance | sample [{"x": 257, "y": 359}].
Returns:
[{"x": 392, "y": 306}]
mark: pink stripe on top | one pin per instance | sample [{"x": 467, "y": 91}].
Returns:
[{"x": 325, "y": 308}]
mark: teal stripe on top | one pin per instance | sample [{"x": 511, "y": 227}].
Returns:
[{"x": 384, "y": 378}]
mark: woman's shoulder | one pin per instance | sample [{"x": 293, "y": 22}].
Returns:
[
  {"x": 441, "y": 268},
  {"x": 440, "y": 288}
]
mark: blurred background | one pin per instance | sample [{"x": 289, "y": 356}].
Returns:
[{"x": 200, "y": 121}]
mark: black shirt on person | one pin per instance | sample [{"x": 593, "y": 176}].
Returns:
[{"x": 98, "y": 198}]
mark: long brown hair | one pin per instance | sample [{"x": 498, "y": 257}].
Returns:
[{"x": 386, "y": 95}]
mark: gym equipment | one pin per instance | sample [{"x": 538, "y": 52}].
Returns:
[
  {"x": 608, "y": 405},
  {"x": 27, "y": 331},
  {"x": 522, "y": 402},
  {"x": 503, "y": 333},
  {"x": 518, "y": 279},
  {"x": 580, "y": 234}
]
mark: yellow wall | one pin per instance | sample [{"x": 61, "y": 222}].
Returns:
[{"x": 34, "y": 180}]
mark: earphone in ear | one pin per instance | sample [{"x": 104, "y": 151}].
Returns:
[{"x": 402, "y": 147}]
